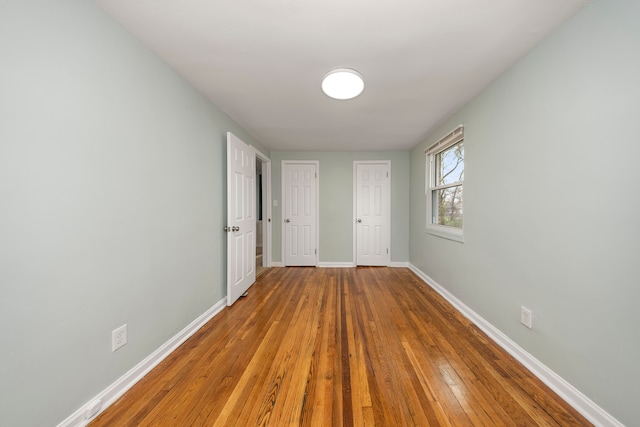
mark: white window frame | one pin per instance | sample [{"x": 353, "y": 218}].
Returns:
[{"x": 452, "y": 138}]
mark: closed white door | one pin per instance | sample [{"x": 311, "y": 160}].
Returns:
[
  {"x": 241, "y": 217},
  {"x": 300, "y": 214},
  {"x": 372, "y": 208}
]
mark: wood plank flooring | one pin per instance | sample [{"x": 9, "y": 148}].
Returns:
[{"x": 339, "y": 347}]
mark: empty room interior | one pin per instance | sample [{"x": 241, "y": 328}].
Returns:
[{"x": 195, "y": 230}]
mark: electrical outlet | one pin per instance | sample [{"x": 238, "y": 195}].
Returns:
[
  {"x": 118, "y": 337},
  {"x": 526, "y": 317}
]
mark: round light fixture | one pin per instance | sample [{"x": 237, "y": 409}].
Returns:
[{"x": 342, "y": 83}]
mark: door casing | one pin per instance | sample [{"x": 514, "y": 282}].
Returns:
[{"x": 266, "y": 208}]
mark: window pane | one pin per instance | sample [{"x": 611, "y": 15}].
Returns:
[
  {"x": 447, "y": 206},
  {"x": 450, "y": 165}
]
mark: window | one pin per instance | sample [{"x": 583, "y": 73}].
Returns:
[{"x": 444, "y": 185}]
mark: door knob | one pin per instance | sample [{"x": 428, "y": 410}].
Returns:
[
  {"x": 359, "y": 220},
  {"x": 235, "y": 228},
  {"x": 227, "y": 228},
  {"x": 287, "y": 220}
]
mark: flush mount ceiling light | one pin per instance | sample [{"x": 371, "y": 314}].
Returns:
[{"x": 342, "y": 83}]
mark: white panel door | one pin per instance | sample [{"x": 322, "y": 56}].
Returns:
[
  {"x": 241, "y": 217},
  {"x": 372, "y": 213},
  {"x": 300, "y": 214}
]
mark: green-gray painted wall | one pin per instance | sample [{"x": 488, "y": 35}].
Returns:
[
  {"x": 112, "y": 182},
  {"x": 552, "y": 201}
]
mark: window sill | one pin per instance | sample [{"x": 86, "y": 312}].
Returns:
[{"x": 449, "y": 233}]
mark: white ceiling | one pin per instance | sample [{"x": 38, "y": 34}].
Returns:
[{"x": 262, "y": 61}]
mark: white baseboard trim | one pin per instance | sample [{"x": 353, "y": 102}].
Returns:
[
  {"x": 336, "y": 264},
  {"x": 393, "y": 264},
  {"x": 399, "y": 264},
  {"x": 588, "y": 408},
  {"x": 125, "y": 382}
]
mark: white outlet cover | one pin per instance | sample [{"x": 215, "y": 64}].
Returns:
[
  {"x": 526, "y": 317},
  {"x": 118, "y": 337}
]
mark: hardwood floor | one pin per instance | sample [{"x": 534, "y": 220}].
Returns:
[
  {"x": 259, "y": 267},
  {"x": 339, "y": 347}
]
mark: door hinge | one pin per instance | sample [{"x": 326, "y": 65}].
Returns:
[
  {"x": 387, "y": 174},
  {"x": 387, "y": 251},
  {"x": 316, "y": 252}
]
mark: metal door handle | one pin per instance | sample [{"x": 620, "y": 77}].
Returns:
[
  {"x": 235, "y": 228},
  {"x": 287, "y": 220},
  {"x": 359, "y": 220},
  {"x": 227, "y": 228}
]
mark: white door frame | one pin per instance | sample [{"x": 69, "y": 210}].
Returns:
[
  {"x": 266, "y": 206},
  {"x": 355, "y": 206},
  {"x": 283, "y": 209}
]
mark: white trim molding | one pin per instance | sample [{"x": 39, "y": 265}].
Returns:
[
  {"x": 574, "y": 397},
  {"x": 277, "y": 264},
  {"x": 112, "y": 393},
  {"x": 336, "y": 264},
  {"x": 267, "y": 202},
  {"x": 399, "y": 264}
]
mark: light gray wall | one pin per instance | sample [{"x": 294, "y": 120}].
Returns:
[
  {"x": 336, "y": 201},
  {"x": 112, "y": 181},
  {"x": 552, "y": 201}
]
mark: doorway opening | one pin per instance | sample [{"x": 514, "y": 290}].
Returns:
[{"x": 262, "y": 216}]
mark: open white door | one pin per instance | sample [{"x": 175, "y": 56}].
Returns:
[
  {"x": 372, "y": 209},
  {"x": 241, "y": 219}
]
